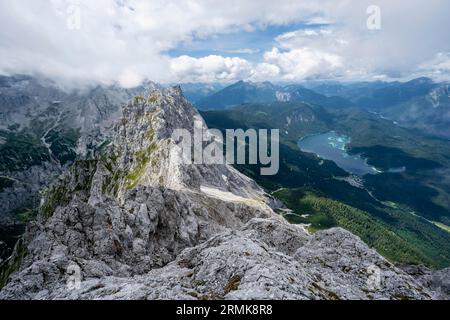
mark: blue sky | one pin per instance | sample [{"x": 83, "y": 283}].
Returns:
[
  {"x": 248, "y": 45},
  {"x": 168, "y": 41}
]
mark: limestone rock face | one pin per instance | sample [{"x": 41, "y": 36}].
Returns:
[
  {"x": 436, "y": 281},
  {"x": 138, "y": 223}
]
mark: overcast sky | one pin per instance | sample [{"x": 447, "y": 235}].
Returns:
[{"x": 127, "y": 41}]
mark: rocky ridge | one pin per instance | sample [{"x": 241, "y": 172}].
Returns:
[{"x": 138, "y": 223}]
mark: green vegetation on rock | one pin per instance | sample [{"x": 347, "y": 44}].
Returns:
[
  {"x": 13, "y": 264},
  {"x": 77, "y": 181},
  {"x": 142, "y": 158},
  {"x": 152, "y": 99},
  {"x": 26, "y": 215}
]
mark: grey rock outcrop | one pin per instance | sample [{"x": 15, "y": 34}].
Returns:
[
  {"x": 436, "y": 281},
  {"x": 138, "y": 223}
]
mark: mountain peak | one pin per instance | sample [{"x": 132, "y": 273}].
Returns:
[
  {"x": 420, "y": 81},
  {"x": 145, "y": 148}
]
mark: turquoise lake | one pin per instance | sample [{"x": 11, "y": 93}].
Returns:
[{"x": 331, "y": 146}]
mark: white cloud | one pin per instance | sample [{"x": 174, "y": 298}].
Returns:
[
  {"x": 242, "y": 51},
  {"x": 324, "y": 38},
  {"x": 297, "y": 64},
  {"x": 265, "y": 71},
  {"x": 318, "y": 20},
  {"x": 412, "y": 33},
  {"x": 127, "y": 40},
  {"x": 129, "y": 78},
  {"x": 209, "y": 69},
  {"x": 303, "y": 63},
  {"x": 120, "y": 37},
  {"x": 438, "y": 67}
]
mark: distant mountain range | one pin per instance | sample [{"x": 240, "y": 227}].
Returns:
[
  {"x": 264, "y": 92},
  {"x": 420, "y": 103},
  {"x": 195, "y": 92}
]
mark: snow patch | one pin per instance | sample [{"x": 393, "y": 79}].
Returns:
[{"x": 231, "y": 197}]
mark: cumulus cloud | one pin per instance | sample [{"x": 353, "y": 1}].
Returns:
[
  {"x": 299, "y": 38},
  {"x": 411, "y": 34},
  {"x": 39, "y": 37},
  {"x": 126, "y": 41},
  {"x": 209, "y": 69},
  {"x": 122, "y": 40},
  {"x": 292, "y": 65},
  {"x": 242, "y": 51},
  {"x": 304, "y": 63},
  {"x": 265, "y": 71},
  {"x": 438, "y": 67}
]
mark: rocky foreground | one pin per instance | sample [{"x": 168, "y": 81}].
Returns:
[{"x": 138, "y": 223}]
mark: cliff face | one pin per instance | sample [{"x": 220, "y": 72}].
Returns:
[{"x": 138, "y": 223}]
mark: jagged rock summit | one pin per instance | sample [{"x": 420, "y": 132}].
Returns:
[{"x": 138, "y": 223}]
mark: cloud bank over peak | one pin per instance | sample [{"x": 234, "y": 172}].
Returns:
[
  {"x": 209, "y": 69},
  {"x": 128, "y": 41}
]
